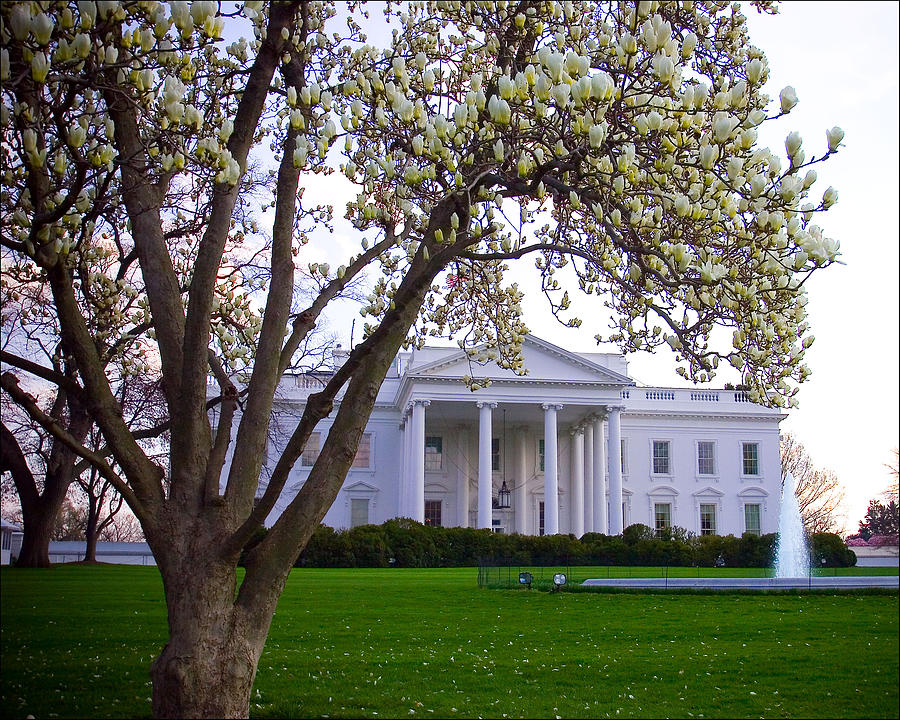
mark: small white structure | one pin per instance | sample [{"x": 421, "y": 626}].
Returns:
[
  {"x": 575, "y": 446},
  {"x": 117, "y": 553},
  {"x": 877, "y": 551},
  {"x": 9, "y": 532}
]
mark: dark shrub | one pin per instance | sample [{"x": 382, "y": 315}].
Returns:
[
  {"x": 637, "y": 532},
  {"x": 757, "y": 551},
  {"x": 829, "y": 547},
  {"x": 554, "y": 549},
  {"x": 708, "y": 550},
  {"x": 410, "y": 543},
  {"x": 465, "y": 545},
  {"x": 326, "y": 548},
  {"x": 368, "y": 546}
]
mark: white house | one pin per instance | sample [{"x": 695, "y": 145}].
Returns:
[
  {"x": 9, "y": 533},
  {"x": 533, "y": 455}
]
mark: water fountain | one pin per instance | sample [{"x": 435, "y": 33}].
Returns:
[
  {"x": 791, "y": 564},
  {"x": 791, "y": 552}
]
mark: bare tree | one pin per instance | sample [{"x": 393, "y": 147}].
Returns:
[
  {"x": 41, "y": 468},
  {"x": 124, "y": 528},
  {"x": 820, "y": 493},
  {"x": 893, "y": 489}
]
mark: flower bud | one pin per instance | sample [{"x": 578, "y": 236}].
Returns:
[
  {"x": 792, "y": 143},
  {"x": 834, "y": 137},
  {"x": 788, "y": 98},
  {"x": 40, "y": 66}
]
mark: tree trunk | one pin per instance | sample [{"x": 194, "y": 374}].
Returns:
[
  {"x": 207, "y": 668},
  {"x": 38, "y": 524},
  {"x": 90, "y": 537}
]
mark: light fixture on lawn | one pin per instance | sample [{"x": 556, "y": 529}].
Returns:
[
  {"x": 503, "y": 496},
  {"x": 525, "y": 579},
  {"x": 559, "y": 579}
]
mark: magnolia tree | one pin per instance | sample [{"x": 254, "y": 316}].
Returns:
[{"x": 613, "y": 145}]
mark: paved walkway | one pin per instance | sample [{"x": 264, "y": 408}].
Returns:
[{"x": 737, "y": 583}]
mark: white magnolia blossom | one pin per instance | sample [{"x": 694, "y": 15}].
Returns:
[{"x": 627, "y": 134}]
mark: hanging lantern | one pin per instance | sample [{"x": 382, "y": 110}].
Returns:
[{"x": 503, "y": 496}]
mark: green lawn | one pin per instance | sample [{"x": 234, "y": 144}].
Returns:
[{"x": 77, "y": 642}]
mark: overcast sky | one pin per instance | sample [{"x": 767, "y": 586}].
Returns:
[{"x": 842, "y": 60}]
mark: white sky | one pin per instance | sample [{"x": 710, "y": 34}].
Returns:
[{"x": 842, "y": 60}]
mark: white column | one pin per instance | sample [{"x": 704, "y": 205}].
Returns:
[
  {"x": 520, "y": 491},
  {"x": 589, "y": 475},
  {"x": 485, "y": 474},
  {"x": 402, "y": 490},
  {"x": 576, "y": 475},
  {"x": 615, "y": 471},
  {"x": 601, "y": 523},
  {"x": 417, "y": 496},
  {"x": 551, "y": 477},
  {"x": 462, "y": 478}
]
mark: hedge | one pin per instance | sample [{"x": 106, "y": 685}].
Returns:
[{"x": 404, "y": 542}]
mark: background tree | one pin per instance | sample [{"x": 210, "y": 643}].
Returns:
[
  {"x": 70, "y": 522},
  {"x": 41, "y": 469},
  {"x": 893, "y": 490},
  {"x": 880, "y": 519},
  {"x": 820, "y": 493},
  {"x": 124, "y": 528},
  {"x": 621, "y": 136}
]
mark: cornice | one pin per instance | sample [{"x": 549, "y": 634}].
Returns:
[{"x": 700, "y": 415}]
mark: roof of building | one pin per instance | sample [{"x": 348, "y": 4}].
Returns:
[{"x": 873, "y": 541}]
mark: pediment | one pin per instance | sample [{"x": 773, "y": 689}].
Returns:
[
  {"x": 361, "y": 486},
  {"x": 753, "y": 492},
  {"x": 708, "y": 491},
  {"x": 663, "y": 490},
  {"x": 544, "y": 361}
]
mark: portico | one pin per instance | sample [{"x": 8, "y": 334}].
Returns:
[{"x": 462, "y": 451}]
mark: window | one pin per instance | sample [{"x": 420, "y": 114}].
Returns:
[
  {"x": 433, "y": 513},
  {"x": 751, "y": 518},
  {"x": 660, "y": 457},
  {"x": 751, "y": 458},
  {"x": 662, "y": 513},
  {"x": 495, "y": 454},
  {"x": 706, "y": 457},
  {"x": 541, "y": 518},
  {"x": 707, "y": 519},
  {"x": 541, "y": 453},
  {"x": 311, "y": 451},
  {"x": 623, "y": 458},
  {"x": 363, "y": 457},
  {"x": 434, "y": 452},
  {"x": 359, "y": 512}
]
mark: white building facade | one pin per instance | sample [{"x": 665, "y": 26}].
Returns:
[{"x": 575, "y": 446}]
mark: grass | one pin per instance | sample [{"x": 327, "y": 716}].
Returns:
[{"x": 77, "y": 642}]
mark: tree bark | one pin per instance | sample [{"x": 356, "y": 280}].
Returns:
[
  {"x": 207, "y": 668},
  {"x": 37, "y": 527},
  {"x": 90, "y": 534}
]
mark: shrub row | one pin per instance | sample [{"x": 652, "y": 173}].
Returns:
[{"x": 406, "y": 543}]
